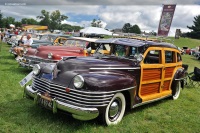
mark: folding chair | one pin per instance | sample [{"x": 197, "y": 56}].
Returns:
[
  {"x": 185, "y": 66},
  {"x": 194, "y": 78}
]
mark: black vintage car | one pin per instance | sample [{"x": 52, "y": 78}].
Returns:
[{"x": 132, "y": 74}]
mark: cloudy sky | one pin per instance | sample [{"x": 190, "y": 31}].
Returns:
[{"x": 114, "y": 13}]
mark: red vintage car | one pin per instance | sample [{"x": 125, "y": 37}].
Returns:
[{"x": 76, "y": 46}]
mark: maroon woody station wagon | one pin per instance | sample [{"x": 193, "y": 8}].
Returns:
[{"x": 132, "y": 74}]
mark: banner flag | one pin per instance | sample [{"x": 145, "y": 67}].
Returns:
[{"x": 166, "y": 20}]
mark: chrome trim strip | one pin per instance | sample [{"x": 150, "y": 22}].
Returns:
[
  {"x": 109, "y": 68},
  {"x": 80, "y": 99},
  {"x": 97, "y": 92},
  {"x": 140, "y": 104},
  {"x": 80, "y": 94}
]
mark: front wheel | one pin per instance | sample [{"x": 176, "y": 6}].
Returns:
[
  {"x": 176, "y": 91},
  {"x": 115, "y": 110}
]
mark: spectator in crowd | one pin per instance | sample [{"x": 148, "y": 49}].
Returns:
[
  {"x": 16, "y": 32},
  {"x": 27, "y": 44}
]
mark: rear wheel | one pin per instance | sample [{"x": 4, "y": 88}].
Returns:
[
  {"x": 176, "y": 91},
  {"x": 115, "y": 110}
]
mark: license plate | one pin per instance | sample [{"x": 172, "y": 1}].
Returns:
[
  {"x": 47, "y": 103},
  {"x": 26, "y": 79}
]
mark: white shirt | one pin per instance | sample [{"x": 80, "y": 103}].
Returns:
[{"x": 28, "y": 41}]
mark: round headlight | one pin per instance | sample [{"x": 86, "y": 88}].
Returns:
[
  {"x": 50, "y": 55},
  {"x": 78, "y": 81},
  {"x": 36, "y": 69}
]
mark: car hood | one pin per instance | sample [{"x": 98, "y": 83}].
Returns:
[
  {"x": 94, "y": 63},
  {"x": 66, "y": 69},
  {"x": 53, "y": 49}
]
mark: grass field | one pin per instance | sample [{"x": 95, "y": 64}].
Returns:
[{"x": 20, "y": 115}]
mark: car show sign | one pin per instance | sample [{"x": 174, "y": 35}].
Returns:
[{"x": 166, "y": 20}]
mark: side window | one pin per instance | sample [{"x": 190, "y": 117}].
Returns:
[
  {"x": 169, "y": 57},
  {"x": 179, "y": 59},
  {"x": 122, "y": 50},
  {"x": 68, "y": 42},
  {"x": 153, "y": 57}
]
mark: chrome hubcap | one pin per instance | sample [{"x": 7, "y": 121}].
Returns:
[{"x": 115, "y": 109}]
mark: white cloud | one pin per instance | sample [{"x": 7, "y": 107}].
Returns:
[{"x": 115, "y": 16}]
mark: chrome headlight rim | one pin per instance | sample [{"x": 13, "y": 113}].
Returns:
[
  {"x": 78, "y": 81},
  {"x": 36, "y": 69},
  {"x": 50, "y": 55}
]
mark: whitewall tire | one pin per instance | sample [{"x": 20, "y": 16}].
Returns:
[
  {"x": 176, "y": 92},
  {"x": 115, "y": 110}
]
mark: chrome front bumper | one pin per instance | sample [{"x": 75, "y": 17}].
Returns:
[{"x": 79, "y": 113}]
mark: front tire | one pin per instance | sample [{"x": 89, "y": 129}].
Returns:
[
  {"x": 115, "y": 110},
  {"x": 176, "y": 91}
]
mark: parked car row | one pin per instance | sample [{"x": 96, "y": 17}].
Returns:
[
  {"x": 75, "y": 46},
  {"x": 46, "y": 39},
  {"x": 90, "y": 78},
  {"x": 194, "y": 52}
]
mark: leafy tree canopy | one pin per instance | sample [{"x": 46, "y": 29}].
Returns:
[
  {"x": 128, "y": 28},
  {"x": 52, "y": 20},
  {"x": 195, "y": 33},
  {"x": 96, "y": 23}
]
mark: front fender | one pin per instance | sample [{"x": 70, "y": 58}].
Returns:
[{"x": 108, "y": 81}]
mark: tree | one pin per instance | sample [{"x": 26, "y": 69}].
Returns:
[
  {"x": 96, "y": 23},
  {"x": 2, "y": 21},
  {"x": 18, "y": 24},
  {"x": 126, "y": 28},
  {"x": 195, "y": 33},
  {"x": 53, "y": 20},
  {"x": 135, "y": 29},
  {"x": 8, "y": 21},
  {"x": 29, "y": 21},
  {"x": 45, "y": 19}
]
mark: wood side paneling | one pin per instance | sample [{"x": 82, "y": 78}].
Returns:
[
  {"x": 147, "y": 89},
  {"x": 166, "y": 85},
  {"x": 169, "y": 71},
  {"x": 151, "y": 74}
]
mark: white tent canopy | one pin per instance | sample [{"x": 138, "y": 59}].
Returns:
[{"x": 95, "y": 30}]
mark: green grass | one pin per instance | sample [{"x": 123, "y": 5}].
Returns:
[{"x": 20, "y": 115}]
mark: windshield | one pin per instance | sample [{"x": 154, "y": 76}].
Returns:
[
  {"x": 119, "y": 50},
  {"x": 48, "y": 38},
  {"x": 77, "y": 43}
]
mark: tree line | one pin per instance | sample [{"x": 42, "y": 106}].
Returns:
[{"x": 52, "y": 20}]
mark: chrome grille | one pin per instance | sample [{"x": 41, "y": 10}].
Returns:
[{"x": 75, "y": 97}]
